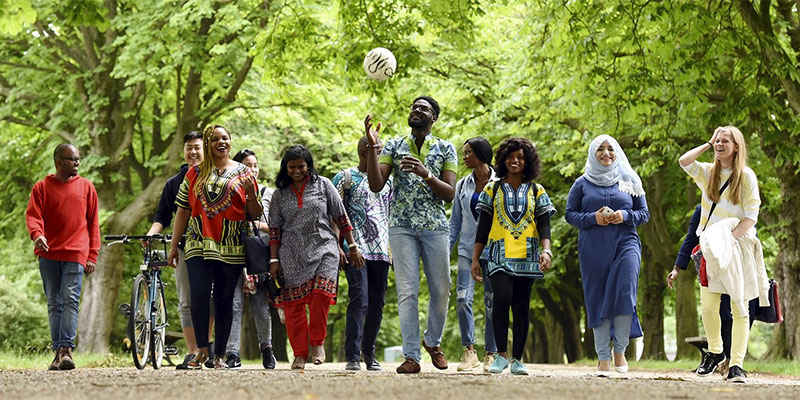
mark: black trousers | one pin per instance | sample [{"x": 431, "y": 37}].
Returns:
[
  {"x": 203, "y": 275},
  {"x": 511, "y": 292},
  {"x": 366, "y": 290}
]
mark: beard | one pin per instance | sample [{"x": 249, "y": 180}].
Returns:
[{"x": 418, "y": 124}]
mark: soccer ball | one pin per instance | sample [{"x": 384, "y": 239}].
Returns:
[{"x": 380, "y": 64}]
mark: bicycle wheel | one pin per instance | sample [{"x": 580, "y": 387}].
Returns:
[
  {"x": 140, "y": 320},
  {"x": 159, "y": 330}
]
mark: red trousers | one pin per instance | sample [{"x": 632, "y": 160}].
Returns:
[{"x": 301, "y": 330}]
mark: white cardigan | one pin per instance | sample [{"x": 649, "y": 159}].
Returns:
[{"x": 735, "y": 267}]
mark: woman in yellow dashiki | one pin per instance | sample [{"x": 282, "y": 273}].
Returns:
[{"x": 514, "y": 219}]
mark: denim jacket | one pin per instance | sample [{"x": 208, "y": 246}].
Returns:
[{"x": 462, "y": 223}]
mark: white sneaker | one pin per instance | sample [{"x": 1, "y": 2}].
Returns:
[
  {"x": 469, "y": 360},
  {"x": 488, "y": 360}
]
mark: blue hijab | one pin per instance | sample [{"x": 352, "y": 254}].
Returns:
[{"x": 619, "y": 171}]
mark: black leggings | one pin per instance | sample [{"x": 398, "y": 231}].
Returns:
[
  {"x": 513, "y": 292},
  {"x": 202, "y": 273}
]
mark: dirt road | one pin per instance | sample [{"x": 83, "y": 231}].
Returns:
[{"x": 330, "y": 381}]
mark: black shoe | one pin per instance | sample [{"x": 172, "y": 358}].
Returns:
[
  {"x": 210, "y": 360},
  {"x": 352, "y": 365},
  {"x": 737, "y": 375},
  {"x": 710, "y": 363},
  {"x": 267, "y": 358},
  {"x": 372, "y": 363},
  {"x": 233, "y": 361},
  {"x": 185, "y": 363}
]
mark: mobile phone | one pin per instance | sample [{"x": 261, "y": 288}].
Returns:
[{"x": 606, "y": 211}]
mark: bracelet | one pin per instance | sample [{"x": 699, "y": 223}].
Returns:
[
  {"x": 549, "y": 252},
  {"x": 274, "y": 260},
  {"x": 710, "y": 144},
  {"x": 429, "y": 177},
  {"x": 373, "y": 146}
]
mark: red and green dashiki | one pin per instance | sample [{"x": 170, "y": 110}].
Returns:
[{"x": 215, "y": 227}]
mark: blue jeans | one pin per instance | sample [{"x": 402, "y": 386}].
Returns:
[
  {"x": 62, "y": 283},
  {"x": 465, "y": 289},
  {"x": 622, "y": 333},
  {"x": 366, "y": 290},
  {"x": 408, "y": 247}
]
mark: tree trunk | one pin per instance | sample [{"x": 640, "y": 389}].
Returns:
[
  {"x": 786, "y": 337},
  {"x": 657, "y": 256},
  {"x": 101, "y": 289}
]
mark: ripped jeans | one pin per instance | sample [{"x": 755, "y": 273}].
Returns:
[{"x": 465, "y": 289}]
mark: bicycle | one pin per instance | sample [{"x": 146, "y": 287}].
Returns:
[{"x": 147, "y": 312}]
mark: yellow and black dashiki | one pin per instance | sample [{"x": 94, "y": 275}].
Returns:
[{"x": 514, "y": 240}]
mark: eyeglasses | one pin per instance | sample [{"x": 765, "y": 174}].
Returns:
[
  {"x": 420, "y": 107},
  {"x": 75, "y": 160}
]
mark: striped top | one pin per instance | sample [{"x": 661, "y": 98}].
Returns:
[{"x": 747, "y": 207}]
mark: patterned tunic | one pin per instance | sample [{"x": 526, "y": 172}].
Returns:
[
  {"x": 215, "y": 227},
  {"x": 368, "y": 212},
  {"x": 300, "y": 224},
  {"x": 513, "y": 240},
  {"x": 415, "y": 206}
]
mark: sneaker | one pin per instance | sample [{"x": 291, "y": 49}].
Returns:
[
  {"x": 603, "y": 368},
  {"x": 353, "y": 365},
  {"x": 409, "y": 366},
  {"x": 233, "y": 361},
  {"x": 469, "y": 360},
  {"x": 517, "y": 367},
  {"x": 66, "y": 362},
  {"x": 185, "y": 363},
  {"x": 710, "y": 363},
  {"x": 737, "y": 375},
  {"x": 437, "y": 356},
  {"x": 372, "y": 363},
  {"x": 500, "y": 363},
  {"x": 488, "y": 360},
  {"x": 210, "y": 360},
  {"x": 56, "y": 360},
  {"x": 267, "y": 358}
]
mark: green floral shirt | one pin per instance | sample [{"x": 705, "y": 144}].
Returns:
[{"x": 414, "y": 205}]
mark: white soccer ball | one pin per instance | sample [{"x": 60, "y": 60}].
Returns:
[{"x": 380, "y": 64}]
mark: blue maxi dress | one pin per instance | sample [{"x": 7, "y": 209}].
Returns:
[{"x": 610, "y": 256}]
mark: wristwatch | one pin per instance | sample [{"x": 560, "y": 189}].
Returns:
[
  {"x": 274, "y": 260},
  {"x": 548, "y": 251},
  {"x": 429, "y": 177}
]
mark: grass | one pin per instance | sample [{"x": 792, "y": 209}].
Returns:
[
  {"x": 776, "y": 367},
  {"x": 11, "y": 359}
]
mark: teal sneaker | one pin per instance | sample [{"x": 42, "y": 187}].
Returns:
[
  {"x": 517, "y": 367},
  {"x": 500, "y": 363}
]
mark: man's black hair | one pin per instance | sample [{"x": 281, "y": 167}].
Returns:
[
  {"x": 192, "y": 135},
  {"x": 434, "y": 104}
]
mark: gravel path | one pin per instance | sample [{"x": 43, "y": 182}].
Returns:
[{"x": 330, "y": 381}]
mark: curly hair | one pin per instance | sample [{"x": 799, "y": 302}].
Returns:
[
  {"x": 283, "y": 180},
  {"x": 533, "y": 164}
]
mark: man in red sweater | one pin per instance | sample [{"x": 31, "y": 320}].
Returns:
[{"x": 62, "y": 222}]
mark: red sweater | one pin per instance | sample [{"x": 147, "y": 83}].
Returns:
[{"x": 66, "y": 214}]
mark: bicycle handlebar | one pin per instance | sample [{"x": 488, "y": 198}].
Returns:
[{"x": 128, "y": 238}]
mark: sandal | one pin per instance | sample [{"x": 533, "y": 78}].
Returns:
[{"x": 197, "y": 361}]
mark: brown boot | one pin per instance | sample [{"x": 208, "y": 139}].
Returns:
[
  {"x": 436, "y": 356},
  {"x": 318, "y": 354},
  {"x": 409, "y": 366},
  {"x": 57, "y": 360},
  {"x": 66, "y": 362}
]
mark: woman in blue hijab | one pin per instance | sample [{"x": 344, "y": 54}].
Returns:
[{"x": 606, "y": 204}]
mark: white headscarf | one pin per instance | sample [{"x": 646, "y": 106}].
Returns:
[{"x": 619, "y": 171}]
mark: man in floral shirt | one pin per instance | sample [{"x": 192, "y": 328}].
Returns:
[{"x": 424, "y": 171}]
